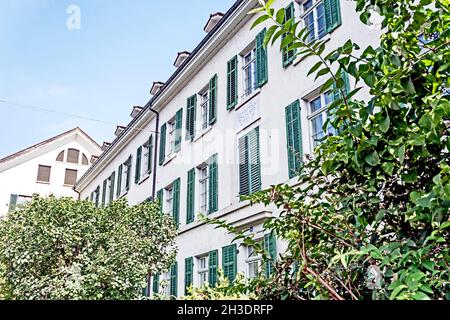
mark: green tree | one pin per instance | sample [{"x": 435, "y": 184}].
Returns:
[
  {"x": 65, "y": 249},
  {"x": 369, "y": 218}
]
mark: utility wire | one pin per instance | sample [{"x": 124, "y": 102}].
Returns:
[{"x": 66, "y": 114}]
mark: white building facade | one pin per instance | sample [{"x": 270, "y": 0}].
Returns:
[
  {"x": 232, "y": 120},
  {"x": 47, "y": 168}
]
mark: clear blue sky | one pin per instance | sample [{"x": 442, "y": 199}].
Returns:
[{"x": 99, "y": 71}]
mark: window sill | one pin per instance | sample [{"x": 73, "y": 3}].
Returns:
[
  {"x": 247, "y": 99},
  {"x": 43, "y": 182},
  {"x": 68, "y": 185},
  {"x": 144, "y": 178},
  {"x": 302, "y": 57},
  {"x": 202, "y": 133},
  {"x": 169, "y": 158}
]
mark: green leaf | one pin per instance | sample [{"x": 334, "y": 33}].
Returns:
[
  {"x": 385, "y": 124},
  {"x": 401, "y": 154},
  {"x": 260, "y": 20},
  {"x": 388, "y": 167},
  {"x": 372, "y": 159},
  {"x": 396, "y": 291},
  {"x": 419, "y": 295},
  {"x": 280, "y": 16}
]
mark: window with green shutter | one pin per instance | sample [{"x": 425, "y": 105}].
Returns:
[
  {"x": 332, "y": 14},
  {"x": 160, "y": 196},
  {"x": 191, "y": 113},
  {"x": 105, "y": 184},
  {"x": 176, "y": 201},
  {"x": 188, "y": 274},
  {"x": 156, "y": 283},
  {"x": 249, "y": 163},
  {"x": 128, "y": 177},
  {"x": 190, "y": 197},
  {"x": 229, "y": 259},
  {"x": 288, "y": 55},
  {"x": 270, "y": 246},
  {"x": 111, "y": 187},
  {"x": 232, "y": 82},
  {"x": 261, "y": 59},
  {"x": 213, "y": 201},
  {"x": 174, "y": 279},
  {"x": 97, "y": 196},
  {"x": 137, "y": 175},
  {"x": 162, "y": 144},
  {"x": 150, "y": 155},
  {"x": 213, "y": 263},
  {"x": 294, "y": 138},
  {"x": 212, "y": 114},
  {"x": 119, "y": 180},
  {"x": 12, "y": 202},
  {"x": 178, "y": 128}
]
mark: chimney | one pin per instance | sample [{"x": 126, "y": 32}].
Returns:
[
  {"x": 181, "y": 57},
  {"x": 106, "y": 145},
  {"x": 156, "y": 87},
  {"x": 214, "y": 18},
  {"x": 119, "y": 130},
  {"x": 136, "y": 110}
]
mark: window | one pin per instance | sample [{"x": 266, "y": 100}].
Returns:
[
  {"x": 97, "y": 196},
  {"x": 171, "y": 127},
  {"x": 60, "y": 157},
  {"x": 203, "y": 180},
  {"x": 253, "y": 261},
  {"x": 249, "y": 163},
  {"x": 70, "y": 177},
  {"x": 146, "y": 165},
  {"x": 314, "y": 19},
  {"x": 73, "y": 156},
  {"x": 294, "y": 138},
  {"x": 202, "y": 270},
  {"x": 229, "y": 257},
  {"x": 318, "y": 116},
  {"x": 44, "y": 174},
  {"x": 204, "y": 109},
  {"x": 124, "y": 177},
  {"x": 169, "y": 201},
  {"x": 167, "y": 284},
  {"x": 16, "y": 200},
  {"x": 232, "y": 83},
  {"x": 84, "y": 160},
  {"x": 249, "y": 69}
]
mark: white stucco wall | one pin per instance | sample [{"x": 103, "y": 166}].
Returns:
[
  {"x": 284, "y": 87},
  {"x": 21, "y": 177}
]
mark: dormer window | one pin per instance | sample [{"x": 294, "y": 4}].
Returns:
[
  {"x": 181, "y": 57},
  {"x": 212, "y": 21},
  {"x": 156, "y": 87}
]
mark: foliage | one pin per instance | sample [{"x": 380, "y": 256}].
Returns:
[
  {"x": 65, "y": 249},
  {"x": 223, "y": 290},
  {"x": 369, "y": 218}
]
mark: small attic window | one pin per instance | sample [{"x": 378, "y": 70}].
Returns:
[
  {"x": 214, "y": 18},
  {"x": 84, "y": 160},
  {"x": 73, "y": 156},
  {"x": 60, "y": 157}
]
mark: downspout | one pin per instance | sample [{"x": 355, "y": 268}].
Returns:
[{"x": 155, "y": 161}]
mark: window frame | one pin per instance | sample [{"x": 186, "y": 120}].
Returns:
[
  {"x": 171, "y": 135},
  {"x": 322, "y": 112},
  {"x": 49, "y": 174},
  {"x": 65, "y": 177},
  {"x": 168, "y": 201},
  {"x": 203, "y": 182},
  {"x": 252, "y": 76},
  {"x": 313, "y": 10},
  {"x": 203, "y": 271}
]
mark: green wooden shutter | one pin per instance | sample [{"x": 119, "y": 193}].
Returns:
[
  {"x": 190, "y": 198},
  {"x": 173, "y": 279},
  {"x": 190, "y": 117},
  {"x": 294, "y": 138},
  {"x": 261, "y": 59},
  {"x": 244, "y": 173},
  {"x": 176, "y": 201},
  {"x": 92, "y": 197},
  {"x": 12, "y": 202},
  {"x": 111, "y": 187},
  {"x": 232, "y": 85},
  {"x": 288, "y": 55},
  {"x": 137, "y": 175},
  {"x": 162, "y": 144},
  {"x": 213, "y": 197},
  {"x": 254, "y": 161},
  {"x": 213, "y": 263},
  {"x": 229, "y": 259},
  {"x": 178, "y": 128},
  {"x": 119, "y": 180},
  {"x": 188, "y": 273},
  {"x": 105, "y": 183},
  {"x": 332, "y": 14},
  {"x": 160, "y": 196},
  {"x": 97, "y": 196},
  {"x": 156, "y": 283},
  {"x": 150, "y": 154},
  {"x": 212, "y": 100},
  {"x": 128, "y": 181},
  {"x": 270, "y": 247}
]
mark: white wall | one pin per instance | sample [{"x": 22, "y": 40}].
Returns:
[
  {"x": 21, "y": 179},
  {"x": 284, "y": 87}
]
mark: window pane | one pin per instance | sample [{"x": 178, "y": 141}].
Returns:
[
  {"x": 73, "y": 155},
  {"x": 316, "y": 104},
  {"x": 43, "y": 174},
  {"x": 308, "y": 4},
  {"x": 85, "y": 160},
  {"x": 320, "y": 21},
  {"x": 317, "y": 131},
  {"x": 309, "y": 23},
  {"x": 60, "y": 157},
  {"x": 70, "y": 177}
]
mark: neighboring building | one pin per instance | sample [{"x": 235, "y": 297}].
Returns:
[
  {"x": 49, "y": 167},
  {"x": 233, "y": 119}
]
